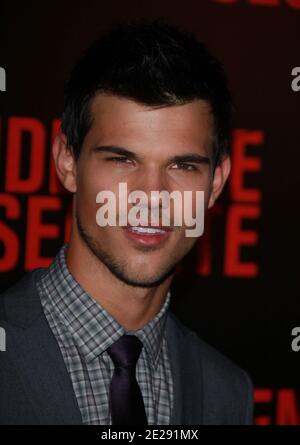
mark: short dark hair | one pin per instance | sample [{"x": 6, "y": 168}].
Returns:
[{"x": 152, "y": 63}]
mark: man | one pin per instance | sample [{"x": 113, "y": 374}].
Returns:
[{"x": 91, "y": 339}]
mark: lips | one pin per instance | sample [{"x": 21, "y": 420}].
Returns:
[{"x": 148, "y": 235}]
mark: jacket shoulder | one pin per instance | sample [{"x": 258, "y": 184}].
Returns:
[
  {"x": 227, "y": 387},
  {"x": 19, "y": 304}
]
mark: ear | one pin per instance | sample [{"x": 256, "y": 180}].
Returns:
[
  {"x": 220, "y": 177},
  {"x": 64, "y": 162}
]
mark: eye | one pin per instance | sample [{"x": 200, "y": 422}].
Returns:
[
  {"x": 118, "y": 159},
  {"x": 185, "y": 166}
]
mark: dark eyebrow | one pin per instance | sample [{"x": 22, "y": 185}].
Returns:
[
  {"x": 116, "y": 150},
  {"x": 189, "y": 157}
]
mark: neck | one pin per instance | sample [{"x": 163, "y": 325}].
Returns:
[{"x": 133, "y": 307}]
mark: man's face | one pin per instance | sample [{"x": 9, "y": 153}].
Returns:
[{"x": 154, "y": 137}]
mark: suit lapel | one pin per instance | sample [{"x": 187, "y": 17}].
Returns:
[
  {"x": 37, "y": 356},
  {"x": 187, "y": 375},
  {"x": 45, "y": 379}
]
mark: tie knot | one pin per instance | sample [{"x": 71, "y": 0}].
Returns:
[{"x": 125, "y": 351}]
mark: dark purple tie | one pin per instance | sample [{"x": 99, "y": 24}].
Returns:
[{"x": 126, "y": 400}]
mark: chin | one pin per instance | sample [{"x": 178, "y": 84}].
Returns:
[
  {"x": 145, "y": 282},
  {"x": 150, "y": 279}
]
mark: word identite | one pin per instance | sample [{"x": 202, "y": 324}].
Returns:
[{"x": 294, "y": 4}]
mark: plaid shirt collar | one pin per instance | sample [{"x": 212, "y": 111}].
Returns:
[{"x": 91, "y": 326}]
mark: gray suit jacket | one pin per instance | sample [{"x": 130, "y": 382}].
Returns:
[{"x": 35, "y": 387}]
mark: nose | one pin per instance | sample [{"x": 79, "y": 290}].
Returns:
[{"x": 150, "y": 180}]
